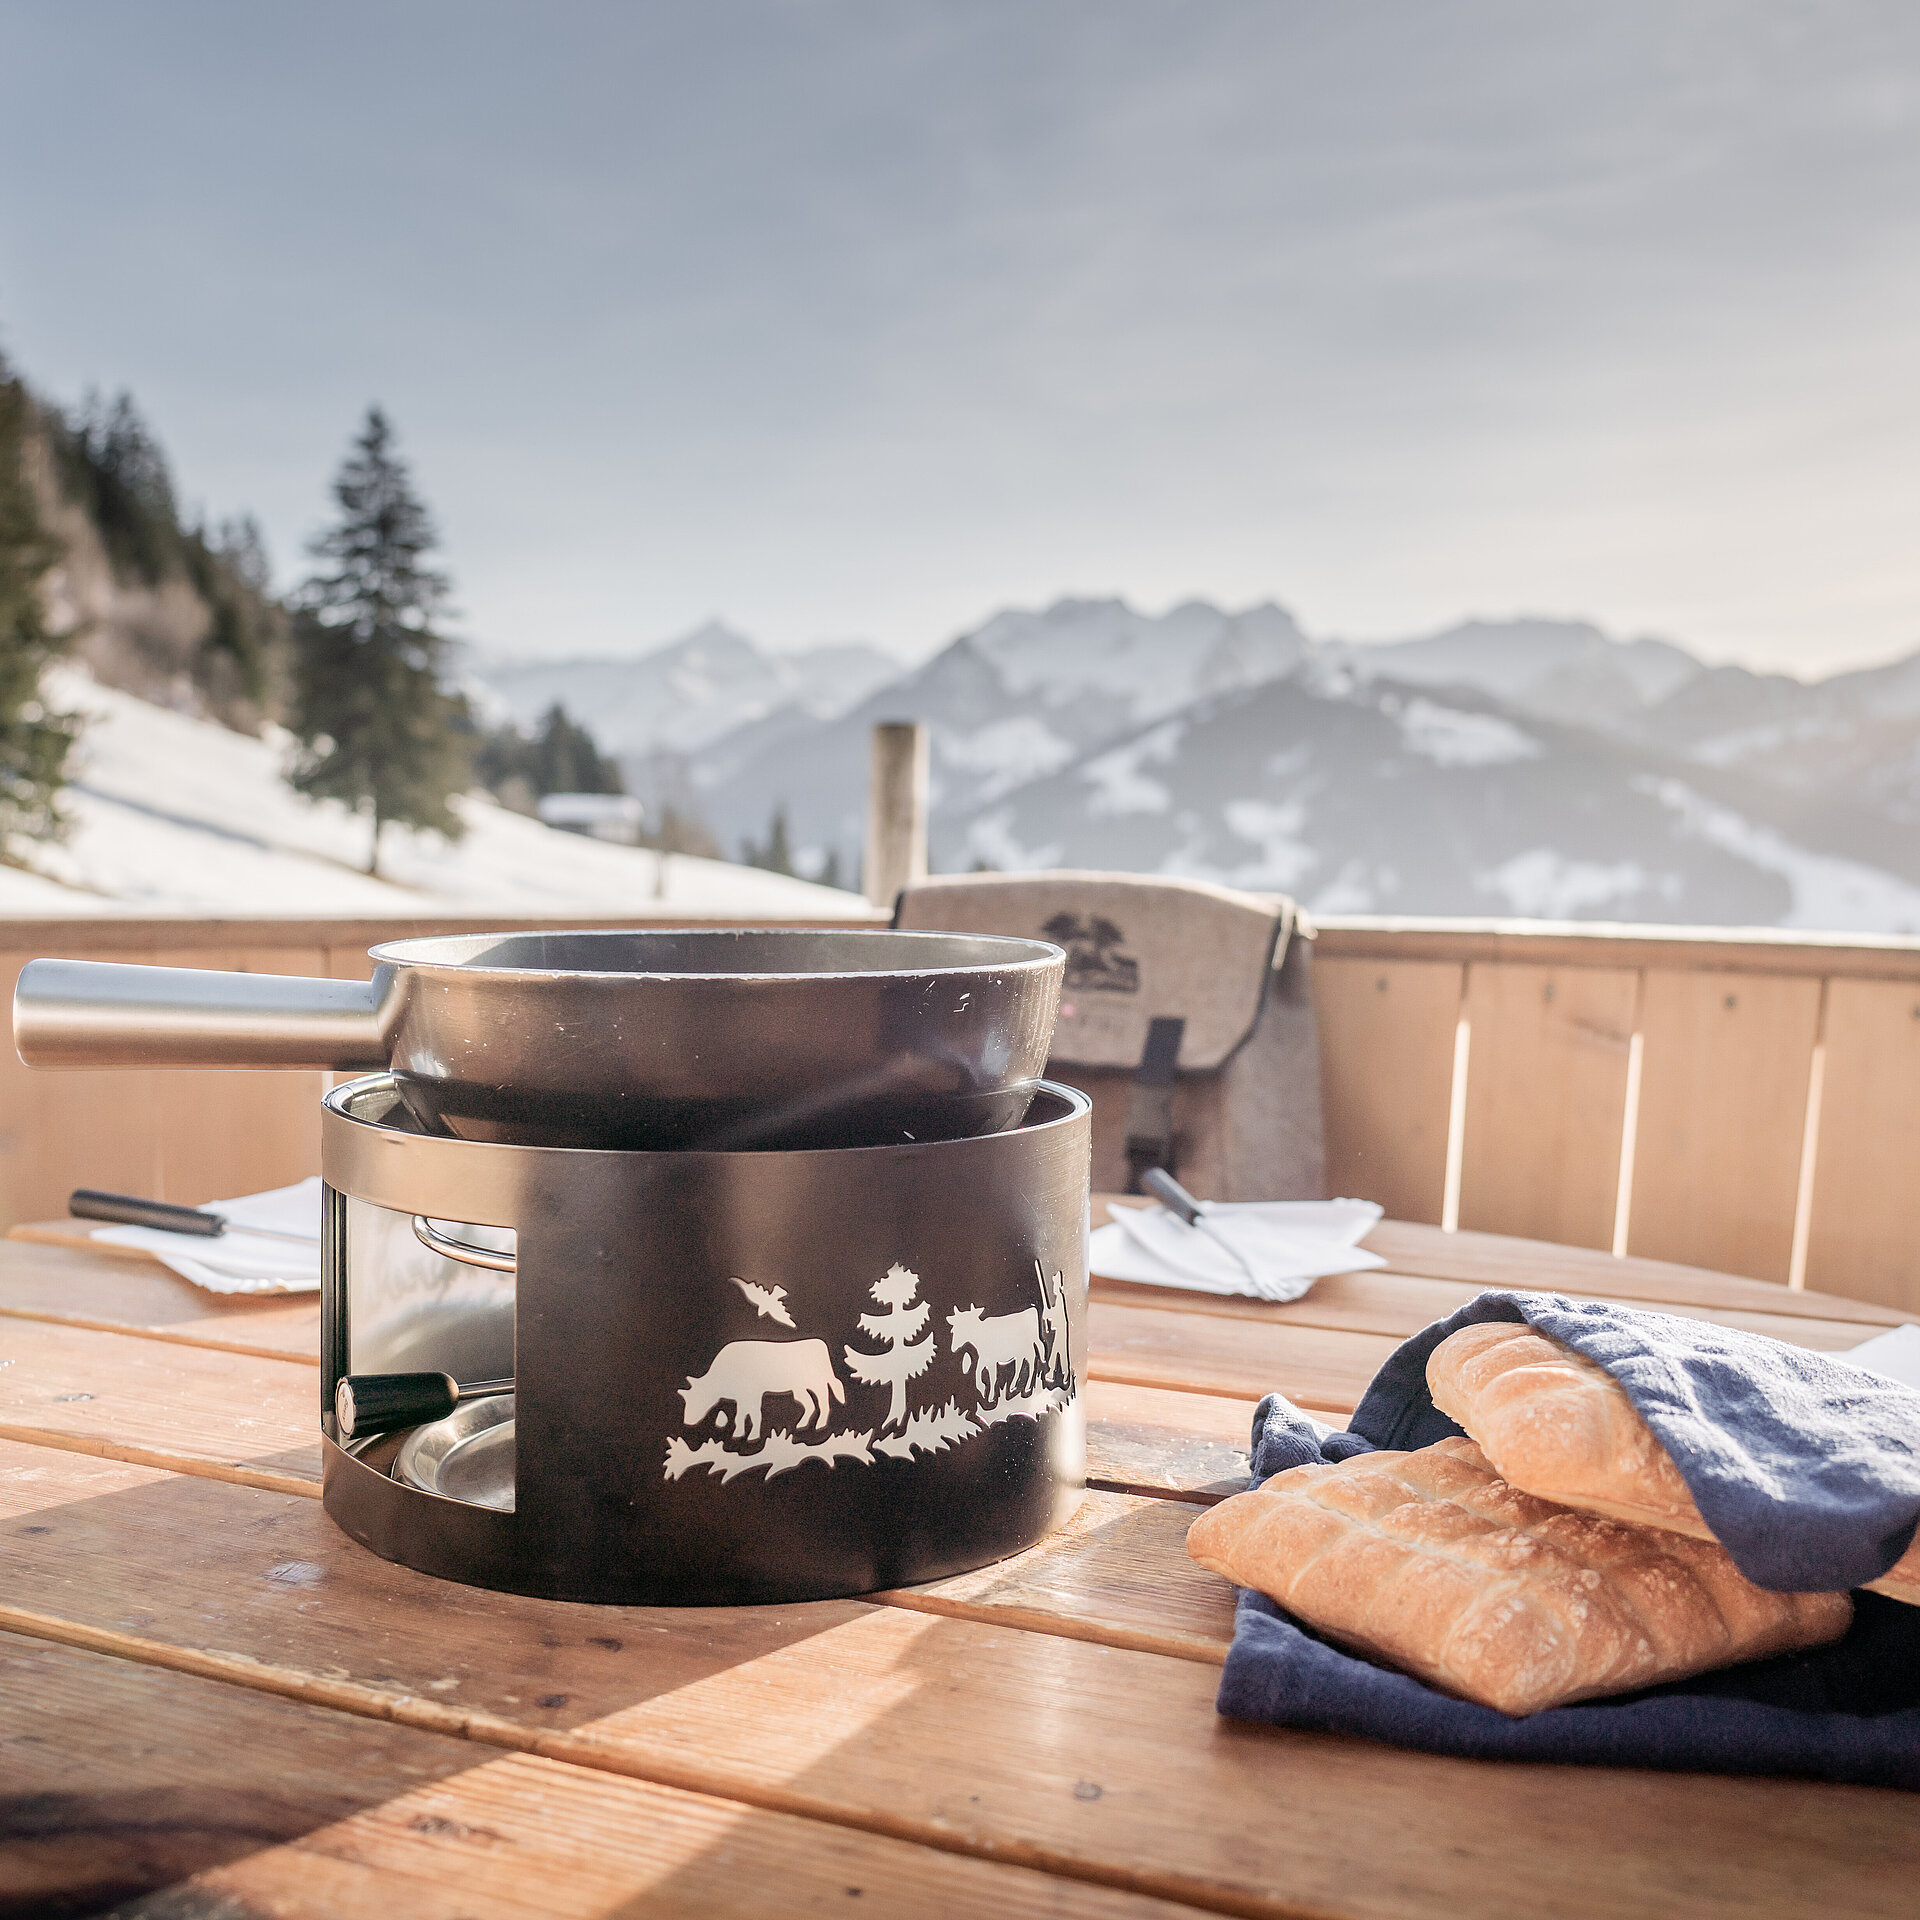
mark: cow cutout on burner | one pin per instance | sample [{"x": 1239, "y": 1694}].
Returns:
[
  {"x": 745, "y": 1372},
  {"x": 1008, "y": 1366},
  {"x": 998, "y": 1342}
]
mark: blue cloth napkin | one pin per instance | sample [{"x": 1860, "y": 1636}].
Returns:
[{"x": 1807, "y": 1470}]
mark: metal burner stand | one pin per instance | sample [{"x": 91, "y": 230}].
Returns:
[{"x": 739, "y": 1377}]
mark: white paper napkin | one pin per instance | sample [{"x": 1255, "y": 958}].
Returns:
[
  {"x": 1894, "y": 1355},
  {"x": 1290, "y": 1243},
  {"x": 238, "y": 1261}
]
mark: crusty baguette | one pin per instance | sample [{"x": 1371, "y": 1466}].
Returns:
[
  {"x": 1557, "y": 1426},
  {"x": 1431, "y": 1562}
]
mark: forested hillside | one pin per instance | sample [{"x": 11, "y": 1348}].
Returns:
[{"x": 151, "y": 599}]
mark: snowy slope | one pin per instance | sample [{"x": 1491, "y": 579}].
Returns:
[
  {"x": 691, "y": 691},
  {"x": 177, "y": 815}
]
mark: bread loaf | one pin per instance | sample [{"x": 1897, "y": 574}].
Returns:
[
  {"x": 1557, "y": 1426},
  {"x": 1431, "y": 1562}
]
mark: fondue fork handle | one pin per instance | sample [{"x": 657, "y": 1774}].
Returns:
[
  {"x": 89, "y": 1203},
  {"x": 369, "y": 1403},
  {"x": 1183, "y": 1206}
]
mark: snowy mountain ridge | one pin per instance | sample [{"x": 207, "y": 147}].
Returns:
[
  {"x": 692, "y": 690},
  {"x": 1524, "y": 767}
]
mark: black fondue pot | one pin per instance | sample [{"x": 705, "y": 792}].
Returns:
[{"x": 676, "y": 1038}]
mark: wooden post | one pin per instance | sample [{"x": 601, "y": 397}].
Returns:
[{"x": 896, "y": 811}]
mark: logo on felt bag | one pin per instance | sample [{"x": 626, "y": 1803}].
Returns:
[{"x": 1095, "y": 963}]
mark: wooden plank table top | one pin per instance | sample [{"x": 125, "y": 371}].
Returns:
[{"x": 205, "y": 1687}]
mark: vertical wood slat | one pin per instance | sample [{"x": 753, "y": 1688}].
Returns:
[
  {"x": 1386, "y": 1077},
  {"x": 1723, "y": 1098},
  {"x": 227, "y": 1133},
  {"x": 88, "y": 1127},
  {"x": 1864, "y": 1232},
  {"x": 348, "y": 963},
  {"x": 1546, "y": 1099}
]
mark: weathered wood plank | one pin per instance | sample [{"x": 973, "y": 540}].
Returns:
[
  {"x": 159, "y": 1402},
  {"x": 1864, "y": 1235},
  {"x": 1206, "y": 1353},
  {"x": 1494, "y": 1260},
  {"x": 128, "y": 1290},
  {"x": 1400, "y": 1304},
  {"x": 1091, "y": 1761},
  {"x": 1149, "y": 1440},
  {"x": 1116, "y": 1573},
  {"x": 125, "y": 1779},
  {"x": 1723, "y": 1103},
  {"x": 1546, "y": 1095},
  {"x": 1386, "y": 1077}
]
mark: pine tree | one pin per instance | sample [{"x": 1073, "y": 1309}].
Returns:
[
  {"x": 378, "y": 726},
  {"x": 904, "y": 1355},
  {"x": 775, "y": 854},
  {"x": 561, "y": 757},
  {"x": 34, "y": 743}
]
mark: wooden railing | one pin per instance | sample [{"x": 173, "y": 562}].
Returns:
[
  {"x": 1749, "y": 1102},
  {"x": 1744, "y": 1101}
]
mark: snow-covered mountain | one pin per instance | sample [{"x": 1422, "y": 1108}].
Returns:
[
  {"x": 1013, "y": 700},
  {"x": 1557, "y": 669},
  {"x": 1525, "y": 767},
  {"x": 1531, "y": 767},
  {"x": 172, "y": 814},
  {"x": 1379, "y": 797},
  {"x": 691, "y": 691}
]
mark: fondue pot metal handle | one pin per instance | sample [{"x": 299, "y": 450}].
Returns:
[
  {"x": 493, "y": 1258},
  {"x": 93, "y": 1013}
]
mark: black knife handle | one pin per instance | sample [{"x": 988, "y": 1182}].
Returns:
[
  {"x": 1170, "y": 1193},
  {"x": 88, "y": 1203},
  {"x": 365, "y": 1403}
]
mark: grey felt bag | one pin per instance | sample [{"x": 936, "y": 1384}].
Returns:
[{"x": 1186, "y": 1013}]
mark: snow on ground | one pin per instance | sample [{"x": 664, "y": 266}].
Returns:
[{"x": 177, "y": 815}]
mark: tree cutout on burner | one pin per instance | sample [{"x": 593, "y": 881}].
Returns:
[{"x": 904, "y": 1355}]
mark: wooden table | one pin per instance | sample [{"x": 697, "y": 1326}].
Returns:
[{"x": 201, "y": 1680}]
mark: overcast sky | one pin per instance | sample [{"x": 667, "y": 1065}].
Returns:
[{"x": 866, "y": 319}]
